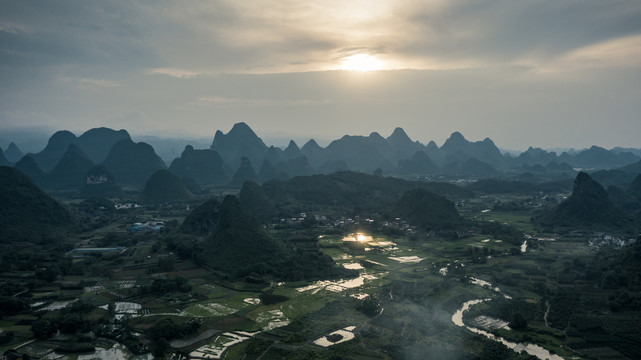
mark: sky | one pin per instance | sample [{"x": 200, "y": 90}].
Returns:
[{"x": 543, "y": 73}]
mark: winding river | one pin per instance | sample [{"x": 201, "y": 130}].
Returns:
[{"x": 530, "y": 348}]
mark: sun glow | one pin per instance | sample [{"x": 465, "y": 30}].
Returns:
[
  {"x": 361, "y": 62},
  {"x": 358, "y": 237}
]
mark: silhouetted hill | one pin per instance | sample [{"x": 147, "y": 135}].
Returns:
[
  {"x": 245, "y": 172},
  {"x": 616, "y": 178},
  {"x": 558, "y": 186},
  {"x": 164, "y": 187},
  {"x": 632, "y": 168},
  {"x": 71, "y": 170},
  {"x": 97, "y": 142},
  {"x": 593, "y": 158},
  {"x": 401, "y": 144},
  {"x": 600, "y": 158},
  {"x": 56, "y": 147},
  {"x": 332, "y": 167},
  {"x": 241, "y": 141},
  {"x": 298, "y": 167},
  {"x": 314, "y": 153},
  {"x": 239, "y": 242},
  {"x": 274, "y": 155},
  {"x": 28, "y": 166},
  {"x": 13, "y": 153},
  {"x": 475, "y": 167},
  {"x": 635, "y": 187},
  {"x": 3, "y": 159},
  {"x": 362, "y": 153},
  {"x": 203, "y": 220},
  {"x": 205, "y": 166},
  {"x": 419, "y": 164},
  {"x": 534, "y": 156},
  {"x": 457, "y": 149},
  {"x": 292, "y": 151},
  {"x": 623, "y": 200},
  {"x": 348, "y": 191},
  {"x": 427, "y": 210},
  {"x": 193, "y": 186},
  {"x": 588, "y": 207},
  {"x": 100, "y": 183},
  {"x": 132, "y": 163},
  {"x": 28, "y": 214},
  {"x": 267, "y": 171},
  {"x": 256, "y": 202},
  {"x": 238, "y": 246}
]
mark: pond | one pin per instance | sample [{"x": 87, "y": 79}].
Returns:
[{"x": 336, "y": 337}]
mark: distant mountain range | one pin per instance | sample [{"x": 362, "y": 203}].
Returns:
[{"x": 240, "y": 155}]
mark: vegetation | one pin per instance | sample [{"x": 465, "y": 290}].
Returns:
[
  {"x": 28, "y": 213},
  {"x": 588, "y": 207},
  {"x": 163, "y": 187},
  {"x": 385, "y": 260},
  {"x": 427, "y": 210}
]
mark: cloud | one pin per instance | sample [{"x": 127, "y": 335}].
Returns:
[
  {"x": 187, "y": 38},
  {"x": 85, "y": 33},
  {"x": 174, "y": 72},
  {"x": 292, "y": 36},
  {"x": 91, "y": 83},
  {"x": 510, "y": 70},
  {"x": 616, "y": 53},
  {"x": 13, "y": 28},
  {"x": 225, "y": 102}
]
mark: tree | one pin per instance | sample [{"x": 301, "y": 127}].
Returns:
[
  {"x": 43, "y": 328},
  {"x": 160, "y": 348},
  {"x": 518, "y": 321}
]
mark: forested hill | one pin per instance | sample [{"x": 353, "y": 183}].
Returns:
[
  {"x": 28, "y": 213},
  {"x": 350, "y": 191},
  {"x": 238, "y": 246},
  {"x": 589, "y": 207}
]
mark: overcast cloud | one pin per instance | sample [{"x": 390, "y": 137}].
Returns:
[{"x": 556, "y": 73}]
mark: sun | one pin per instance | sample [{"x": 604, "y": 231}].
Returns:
[{"x": 361, "y": 62}]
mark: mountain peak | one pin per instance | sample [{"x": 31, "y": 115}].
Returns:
[
  {"x": 456, "y": 142},
  {"x": 457, "y": 136},
  {"x": 163, "y": 186},
  {"x": 589, "y": 206},
  {"x": 375, "y": 135},
  {"x": 399, "y": 135},
  {"x": 242, "y": 128},
  {"x": 311, "y": 144},
  {"x": 240, "y": 141},
  {"x": 62, "y": 135},
  {"x": 292, "y": 146},
  {"x": 292, "y": 151},
  {"x": 13, "y": 153}
]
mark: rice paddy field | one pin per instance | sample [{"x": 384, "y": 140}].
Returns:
[{"x": 400, "y": 305}]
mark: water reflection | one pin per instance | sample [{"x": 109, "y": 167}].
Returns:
[{"x": 529, "y": 348}]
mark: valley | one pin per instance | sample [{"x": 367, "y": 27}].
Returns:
[
  {"x": 108, "y": 253},
  {"x": 403, "y": 301}
]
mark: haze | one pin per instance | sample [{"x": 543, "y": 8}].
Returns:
[{"x": 544, "y": 73}]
